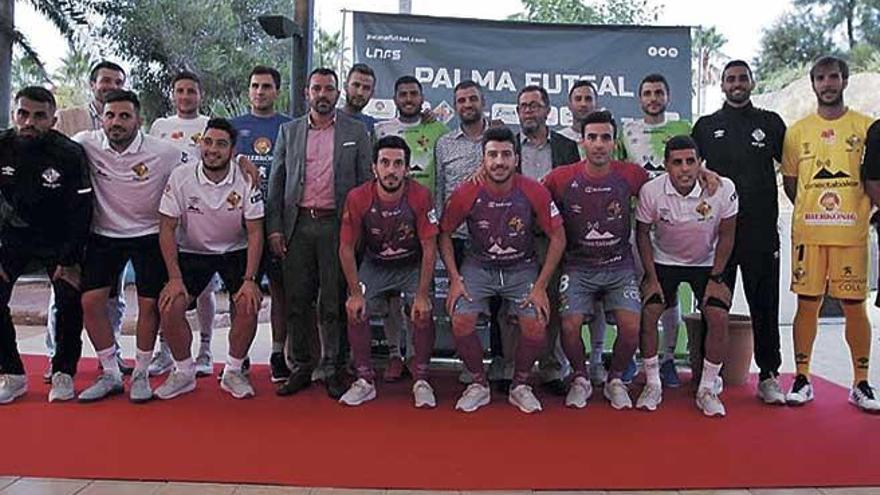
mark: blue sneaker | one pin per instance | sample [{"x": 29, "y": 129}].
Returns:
[
  {"x": 631, "y": 371},
  {"x": 668, "y": 375}
]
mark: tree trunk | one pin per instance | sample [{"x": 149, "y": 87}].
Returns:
[
  {"x": 7, "y": 24},
  {"x": 850, "y": 14}
]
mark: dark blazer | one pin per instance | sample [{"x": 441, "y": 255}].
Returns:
[
  {"x": 351, "y": 166},
  {"x": 563, "y": 151}
]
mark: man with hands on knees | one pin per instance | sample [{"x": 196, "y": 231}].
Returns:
[
  {"x": 212, "y": 222},
  {"x": 693, "y": 236}
]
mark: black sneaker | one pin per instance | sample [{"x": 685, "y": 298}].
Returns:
[
  {"x": 801, "y": 392},
  {"x": 280, "y": 371}
]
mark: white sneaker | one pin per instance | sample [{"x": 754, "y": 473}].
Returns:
[
  {"x": 862, "y": 396},
  {"x": 650, "y": 398},
  {"x": 161, "y": 363},
  {"x": 475, "y": 396},
  {"x": 139, "y": 388},
  {"x": 708, "y": 402},
  {"x": 360, "y": 391},
  {"x": 236, "y": 383},
  {"x": 204, "y": 364},
  {"x": 522, "y": 397},
  {"x": 177, "y": 383},
  {"x": 770, "y": 392},
  {"x": 12, "y": 387},
  {"x": 423, "y": 394},
  {"x": 617, "y": 394},
  {"x": 579, "y": 392},
  {"x": 801, "y": 392},
  {"x": 62, "y": 387},
  {"x": 107, "y": 384}
]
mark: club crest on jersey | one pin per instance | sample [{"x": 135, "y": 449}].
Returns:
[
  {"x": 405, "y": 232},
  {"x": 516, "y": 225},
  {"x": 233, "y": 200},
  {"x": 50, "y": 178},
  {"x": 140, "y": 171},
  {"x": 195, "y": 138},
  {"x": 613, "y": 209},
  {"x": 262, "y": 146},
  {"x": 192, "y": 205},
  {"x": 798, "y": 274},
  {"x": 758, "y": 135},
  {"x": 704, "y": 209},
  {"x": 852, "y": 143}
]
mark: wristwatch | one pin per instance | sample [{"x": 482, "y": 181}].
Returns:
[
  {"x": 718, "y": 278},
  {"x": 252, "y": 278}
]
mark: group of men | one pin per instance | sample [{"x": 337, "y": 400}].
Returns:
[{"x": 541, "y": 230}]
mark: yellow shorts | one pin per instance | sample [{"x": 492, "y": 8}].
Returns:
[{"x": 843, "y": 270}]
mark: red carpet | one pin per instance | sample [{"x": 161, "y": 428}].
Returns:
[{"x": 309, "y": 440}]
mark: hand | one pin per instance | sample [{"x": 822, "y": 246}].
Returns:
[
  {"x": 173, "y": 289},
  {"x": 456, "y": 290},
  {"x": 3, "y": 275},
  {"x": 709, "y": 180},
  {"x": 651, "y": 286},
  {"x": 538, "y": 298},
  {"x": 478, "y": 177},
  {"x": 277, "y": 245},
  {"x": 428, "y": 116},
  {"x": 70, "y": 274},
  {"x": 356, "y": 308},
  {"x": 718, "y": 291},
  {"x": 248, "y": 297},
  {"x": 421, "y": 308},
  {"x": 248, "y": 168}
]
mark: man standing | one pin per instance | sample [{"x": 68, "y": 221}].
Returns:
[
  {"x": 642, "y": 142},
  {"x": 395, "y": 217},
  {"x": 582, "y": 101},
  {"x": 502, "y": 213},
  {"x": 129, "y": 171},
  {"x": 184, "y": 129},
  {"x": 45, "y": 210},
  {"x": 318, "y": 159},
  {"x": 595, "y": 197},
  {"x": 821, "y": 161},
  {"x": 212, "y": 223},
  {"x": 257, "y": 134},
  {"x": 743, "y": 143},
  {"x": 685, "y": 235},
  {"x": 541, "y": 150},
  {"x": 359, "y": 87}
]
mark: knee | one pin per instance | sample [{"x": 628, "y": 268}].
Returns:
[
  {"x": 532, "y": 329},
  {"x": 94, "y": 303},
  {"x": 463, "y": 325},
  {"x": 651, "y": 312},
  {"x": 572, "y": 325},
  {"x": 716, "y": 318}
]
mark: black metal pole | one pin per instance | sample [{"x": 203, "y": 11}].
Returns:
[
  {"x": 7, "y": 16},
  {"x": 299, "y": 65}
]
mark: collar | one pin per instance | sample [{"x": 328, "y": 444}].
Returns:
[
  {"x": 728, "y": 108},
  {"x": 134, "y": 147},
  {"x": 332, "y": 122},
  {"x": 523, "y": 139},
  {"x": 205, "y": 181},
  {"x": 669, "y": 189},
  {"x": 458, "y": 133}
]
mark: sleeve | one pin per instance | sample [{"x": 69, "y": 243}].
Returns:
[
  {"x": 154, "y": 128},
  {"x": 778, "y": 136},
  {"x": 352, "y": 218},
  {"x": 364, "y": 158},
  {"x": 545, "y": 209},
  {"x": 646, "y": 210},
  {"x": 553, "y": 181},
  {"x": 169, "y": 205},
  {"x": 79, "y": 212},
  {"x": 457, "y": 207},
  {"x": 730, "y": 206},
  {"x": 277, "y": 182},
  {"x": 790, "y": 152},
  {"x": 439, "y": 176},
  {"x": 636, "y": 177},
  {"x": 426, "y": 216},
  {"x": 871, "y": 162},
  {"x": 697, "y": 133},
  {"x": 254, "y": 207}
]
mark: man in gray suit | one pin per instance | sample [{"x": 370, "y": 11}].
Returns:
[{"x": 318, "y": 158}]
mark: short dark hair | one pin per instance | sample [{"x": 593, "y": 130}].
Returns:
[
  {"x": 392, "y": 142},
  {"x": 406, "y": 80},
  {"x": 468, "y": 83},
  {"x": 186, "y": 75},
  {"x": 499, "y": 133},
  {"x": 654, "y": 78},
  {"x": 827, "y": 60},
  {"x": 534, "y": 87},
  {"x": 583, "y": 83},
  {"x": 737, "y": 63},
  {"x": 680, "y": 142},
  {"x": 324, "y": 71},
  {"x": 225, "y": 126},
  {"x": 600, "y": 117},
  {"x": 104, "y": 64},
  {"x": 361, "y": 68},
  {"x": 262, "y": 70},
  {"x": 38, "y": 94},
  {"x": 123, "y": 95}
]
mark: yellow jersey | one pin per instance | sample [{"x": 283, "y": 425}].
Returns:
[{"x": 831, "y": 207}]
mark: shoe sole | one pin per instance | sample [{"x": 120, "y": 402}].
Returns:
[
  {"x": 278, "y": 379},
  {"x": 368, "y": 398},
  {"x": 141, "y": 400},
  {"x": 796, "y": 403},
  {"x": 234, "y": 395},
  {"x": 425, "y": 405},
  {"x": 644, "y": 407},
  {"x": 14, "y": 396},
  {"x": 109, "y": 394},
  {"x": 63, "y": 398},
  {"x": 614, "y": 406},
  {"x": 476, "y": 406},
  {"x": 863, "y": 409},
  {"x": 177, "y": 393},
  {"x": 513, "y": 402},
  {"x": 779, "y": 402}
]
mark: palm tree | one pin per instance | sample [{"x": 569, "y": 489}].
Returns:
[{"x": 706, "y": 49}]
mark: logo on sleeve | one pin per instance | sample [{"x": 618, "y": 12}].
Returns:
[
  {"x": 432, "y": 216},
  {"x": 7, "y": 170},
  {"x": 257, "y": 197},
  {"x": 554, "y": 211}
]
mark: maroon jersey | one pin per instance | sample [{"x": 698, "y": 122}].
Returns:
[
  {"x": 596, "y": 211},
  {"x": 392, "y": 231},
  {"x": 501, "y": 227}
]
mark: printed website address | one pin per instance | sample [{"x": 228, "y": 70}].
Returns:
[{"x": 396, "y": 38}]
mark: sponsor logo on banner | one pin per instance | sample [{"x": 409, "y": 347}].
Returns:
[
  {"x": 375, "y": 52},
  {"x": 381, "y": 109},
  {"x": 505, "y": 112}
]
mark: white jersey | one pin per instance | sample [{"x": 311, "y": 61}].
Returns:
[
  {"x": 685, "y": 227},
  {"x": 184, "y": 133},
  {"x": 128, "y": 185},
  {"x": 211, "y": 215}
]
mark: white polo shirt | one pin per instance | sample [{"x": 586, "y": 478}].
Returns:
[
  {"x": 128, "y": 185},
  {"x": 685, "y": 227},
  {"x": 184, "y": 133},
  {"x": 211, "y": 215}
]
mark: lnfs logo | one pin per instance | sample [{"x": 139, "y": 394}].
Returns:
[{"x": 382, "y": 53}]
